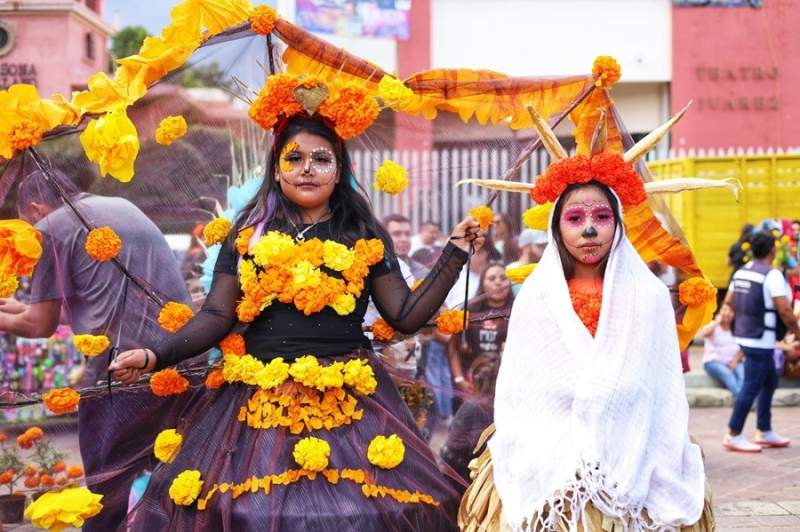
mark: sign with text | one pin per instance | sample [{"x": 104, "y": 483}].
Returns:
[
  {"x": 13, "y": 73},
  {"x": 359, "y": 18}
]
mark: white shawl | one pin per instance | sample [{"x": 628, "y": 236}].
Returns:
[{"x": 600, "y": 420}]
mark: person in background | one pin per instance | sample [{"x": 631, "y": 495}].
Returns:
[
  {"x": 787, "y": 354},
  {"x": 478, "y": 263},
  {"x": 505, "y": 241},
  {"x": 531, "y": 244},
  {"x": 482, "y": 337},
  {"x": 760, "y": 298},
  {"x": 737, "y": 254},
  {"x": 429, "y": 237},
  {"x": 722, "y": 357},
  {"x": 399, "y": 229},
  {"x": 473, "y": 417}
]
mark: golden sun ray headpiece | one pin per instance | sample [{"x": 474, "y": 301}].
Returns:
[
  {"x": 613, "y": 170},
  {"x": 347, "y": 106}
]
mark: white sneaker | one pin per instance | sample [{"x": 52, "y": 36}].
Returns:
[
  {"x": 740, "y": 444},
  {"x": 771, "y": 439}
]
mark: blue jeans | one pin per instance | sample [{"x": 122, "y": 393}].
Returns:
[
  {"x": 760, "y": 379},
  {"x": 731, "y": 379},
  {"x": 437, "y": 375}
]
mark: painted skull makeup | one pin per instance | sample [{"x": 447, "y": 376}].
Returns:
[
  {"x": 319, "y": 162},
  {"x": 595, "y": 213}
]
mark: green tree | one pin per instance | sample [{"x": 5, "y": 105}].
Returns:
[
  {"x": 127, "y": 41},
  {"x": 210, "y": 75}
]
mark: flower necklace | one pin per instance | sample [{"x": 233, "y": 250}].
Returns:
[{"x": 300, "y": 235}]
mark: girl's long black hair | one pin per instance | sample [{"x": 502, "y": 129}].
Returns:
[
  {"x": 567, "y": 260},
  {"x": 351, "y": 212}
]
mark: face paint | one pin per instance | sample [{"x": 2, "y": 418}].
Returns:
[
  {"x": 319, "y": 162},
  {"x": 595, "y": 213},
  {"x": 587, "y": 225}
]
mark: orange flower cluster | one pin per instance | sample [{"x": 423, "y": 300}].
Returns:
[
  {"x": 696, "y": 291},
  {"x": 606, "y": 70},
  {"x": 483, "y": 215},
  {"x": 607, "y": 168},
  {"x": 262, "y": 20},
  {"x": 351, "y": 108},
  {"x": 214, "y": 379},
  {"x": 233, "y": 344},
  {"x": 27, "y": 438},
  {"x": 20, "y": 247},
  {"x": 333, "y": 476},
  {"x": 61, "y": 400},
  {"x": 243, "y": 239},
  {"x": 451, "y": 321},
  {"x": 34, "y": 478},
  {"x": 103, "y": 243},
  {"x": 168, "y": 382},
  {"x": 275, "y": 100},
  {"x": 382, "y": 331},
  {"x": 174, "y": 315},
  {"x": 587, "y": 306},
  {"x": 300, "y": 408},
  {"x": 7, "y": 476},
  {"x": 291, "y": 273}
]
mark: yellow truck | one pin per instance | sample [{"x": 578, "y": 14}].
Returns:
[{"x": 712, "y": 219}]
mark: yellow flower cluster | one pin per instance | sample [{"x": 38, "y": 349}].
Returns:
[
  {"x": 390, "y": 178},
  {"x": 538, "y": 217},
  {"x": 90, "y": 345},
  {"x": 170, "y": 129},
  {"x": 386, "y": 453},
  {"x": 112, "y": 142},
  {"x": 8, "y": 285},
  {"x": 312, "y": 454},
  {"x": 518, "y": 274},
  {"x": 607, "y": 71},
  {"x": 483, "y": 215},
  {"x": 185, "y": 488},
  {"x": 216, "y": 231},
  {"x": 292, "y": 273},
  {"x": 395, "y": 94},
  {"x": 306, "y": 370},
  {"x": 68, "y": 508},
  {"x": 167, "y": 445}
]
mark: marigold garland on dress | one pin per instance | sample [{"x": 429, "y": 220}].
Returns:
[
  {"x": 216, "y": 231},
  {"x": 174, "y": 315},
  {"x": 451, "y": 321},
  {"x": 382, "y": 331},
  {"x": 91, "y": 345},
  {"x": 185, "y": 488},
  {"x": 587, "y": 306},
  {"x": 168, "y": 382},
  {"x": 386, "y": 452},
  {"x": 167, "y": 445},
  {"x": 61, "y": 400},
  {"x": 233, "y": 344},
  {"x": 312, "y": 454}
]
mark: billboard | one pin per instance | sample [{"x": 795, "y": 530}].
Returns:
[{"x": 359, "y": 18}]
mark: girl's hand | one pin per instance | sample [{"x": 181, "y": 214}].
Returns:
[
  {"x": 466, "y": 232},
  {"x": 130, "y": 365}
]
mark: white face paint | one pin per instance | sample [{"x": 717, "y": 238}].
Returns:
[{"x": 308, "y": 170}]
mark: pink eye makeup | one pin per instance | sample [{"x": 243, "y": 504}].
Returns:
[{"x": 576, "y": 216}]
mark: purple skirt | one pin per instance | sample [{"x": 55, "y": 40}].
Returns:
[{"x": 226, "y": 450}]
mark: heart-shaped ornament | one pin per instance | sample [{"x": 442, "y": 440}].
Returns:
[{"x": 311, "y": 98}]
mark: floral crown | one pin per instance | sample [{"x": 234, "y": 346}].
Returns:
[{"x": 346, "y": 105}]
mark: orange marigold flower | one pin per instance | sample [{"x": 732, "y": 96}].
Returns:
[
  {"x": 607, "y": 71},
  {"x": 25, "y": 134},
  {"x": 61, "y": 400},
  {"x": 696, "y": 291},
  {"x": 247, "y": 310},
  {"x": 75, "y": 471},
  {"x": 371, "y": 250},
  {"x": 351, "y": 108},
  {"x": 587, "y": 306},
  {"x": 313, "y": 251},
  {"x": 214, "y": 379},
  {"x": 483, "y": 215},
  {"x": 168, "y": 382},
  {"x": 59, "y": 467},
  {"x": 174, "y": 315},
  {"x": 243, "y": 239},
  {"x": 382, "y": 331},
  {"x": 6, "y": 477},
  {"x": 47, "y": 480},
  {"x": 27, "y": 438},
  {"x": 451, "y": 321},
  {"x": 103, "y": 243},
  {"x": 262, "y": 20},
  {"x": 32, "y": 482},
  {"x": 233, "y": 344},
  {"x": 275, "y": 99}
]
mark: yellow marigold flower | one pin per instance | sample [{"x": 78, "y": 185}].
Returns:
[
  {"x": 306, "y": 370},
  {"x": 483, "y": 215},
  {"x": 745, "y": 246},
  {"x": 174, "y": 315},
  {"x": 451, "y": 321},
  {"x": 61, "y": 400},
  {"x": 90, "y": 345},
  {"x": 344, "y": 304},
  {"x": 538, "y": 217},
  {"x": 305, "y": 275},
  {"x": 386, "y": 453},
  {"x": 390, "y": 178},
  {"x": 167, "y": 445},
  {"x": 394, "y": 93},
  {"x": 273, "y": 374},
  {"x": 8, "y": 285},
  {"x": 786, "y": 239},
  {"x": 359, "y": 376},
  {"x": 312, "y": 453},
  {"x": 241, "y": 369},
  {"x": 696, "y": 291},
  {"x": 607, "y": 71},
  {"x": 337, "y": 256},
  {"x": 248, "y": 274},
  {"x": 247, "y": 310},
  {"x": 102, "y": 243},
  {"x": 520, "y": 273},
  {"x": 113, "y": 143},
  {"x": 243, "y": 239},
  {"x": 185, "y": 488},
  {"x": 216, "y": 231},
  {"x": 274, "y": 248},
  {"x": 57, "y": 510},
  {"x": 171, "y": 129},
  {"x": 262, "y": 20},
  {"x": 331, "y": 377}
]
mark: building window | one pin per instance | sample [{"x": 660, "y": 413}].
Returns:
[
  {"x": 89, "y": 46},
  {"x": 6, "y": 38}
]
